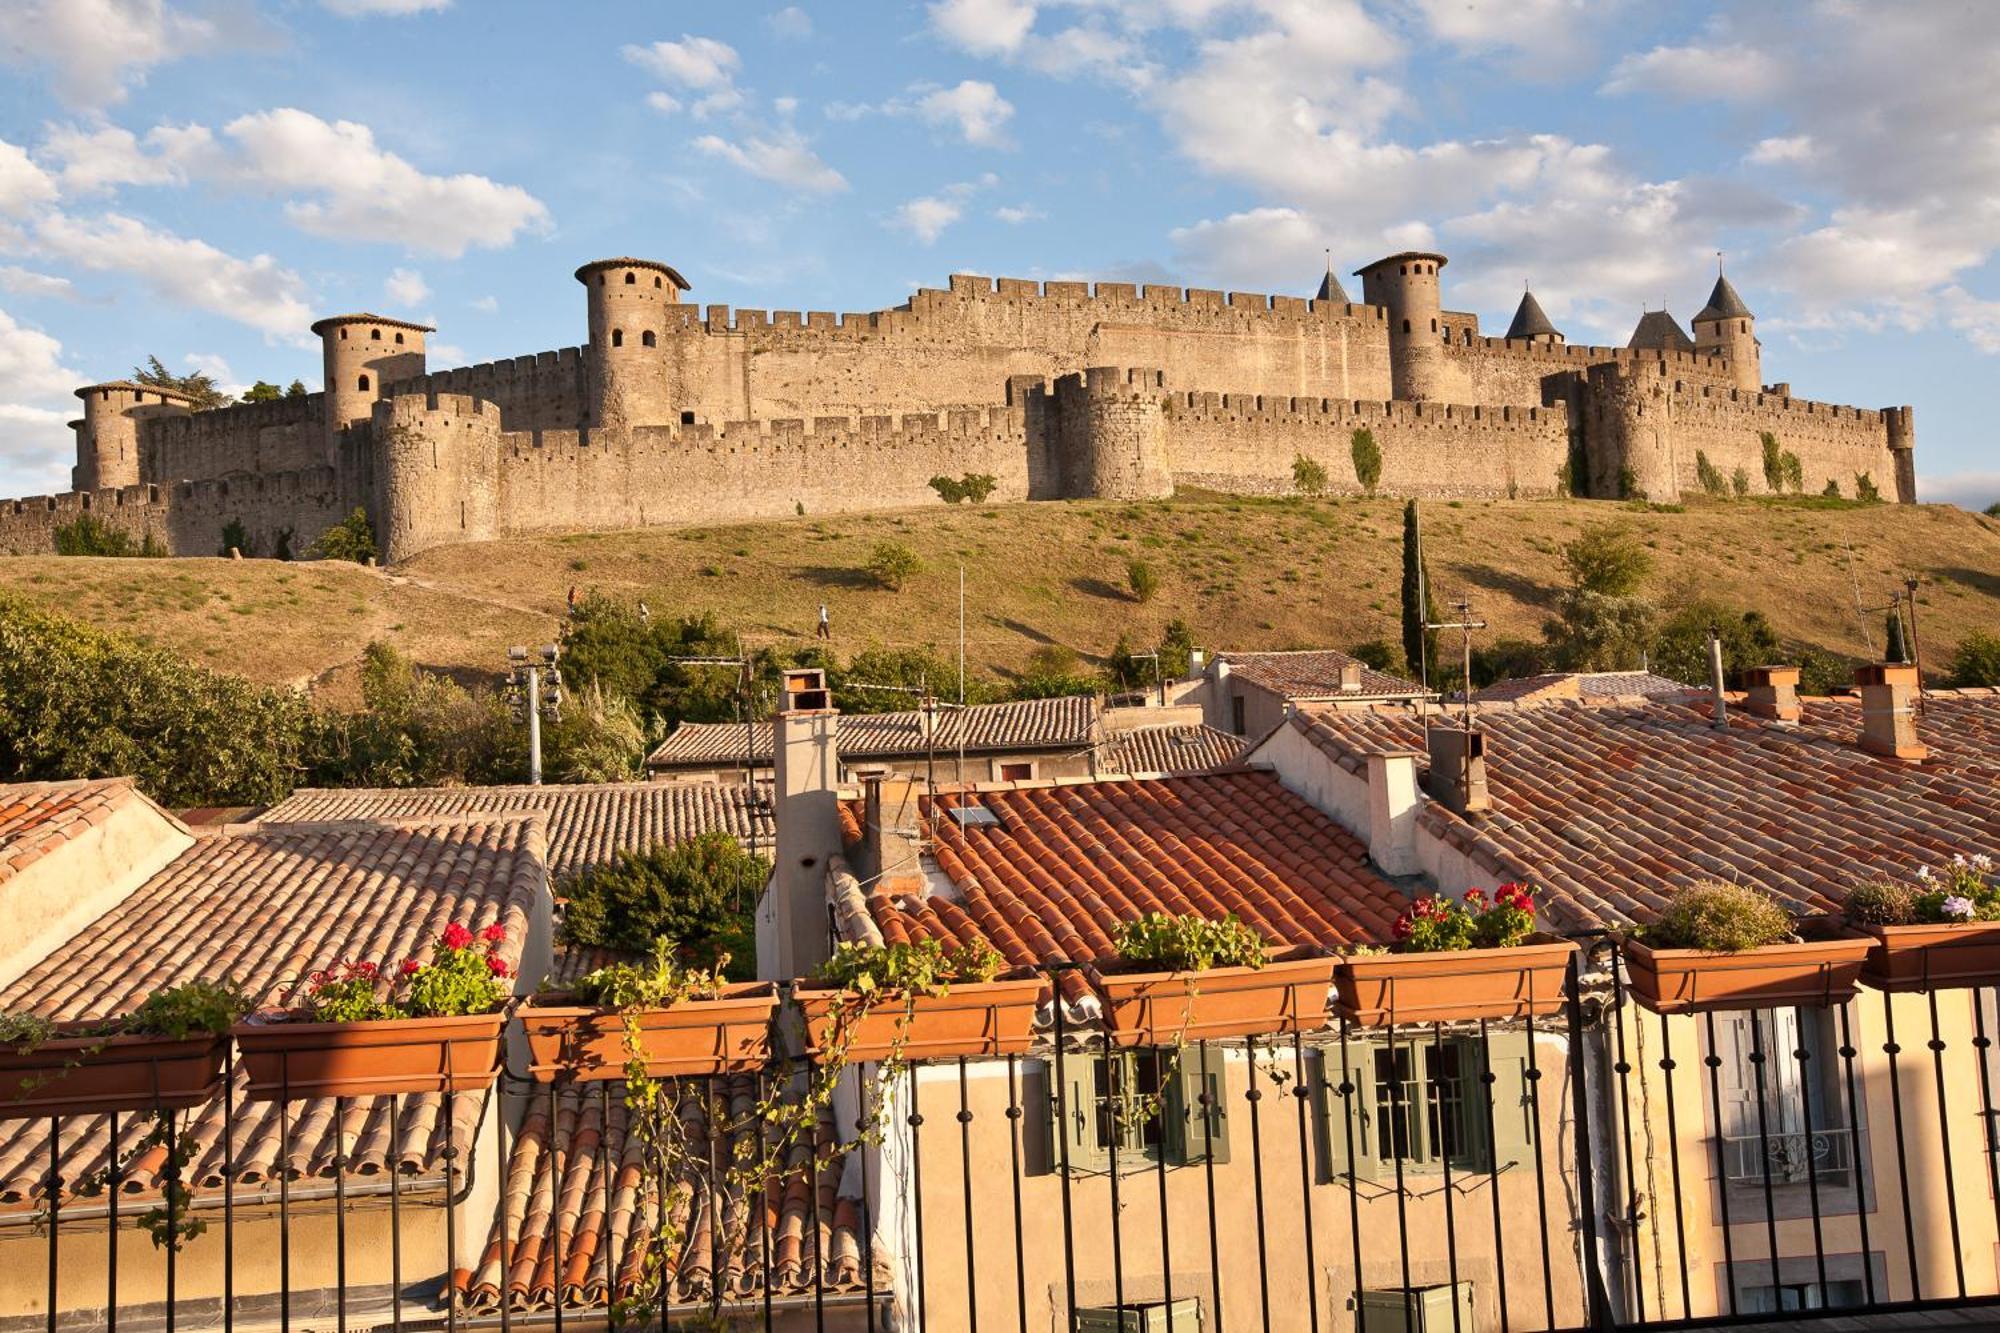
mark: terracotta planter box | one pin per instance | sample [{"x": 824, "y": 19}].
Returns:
[
  {"x": 1453, "y": 985},
  {"x": 1933, "y": 957},
  {"x": 287, "y": 1060},
  {"x": 583, "y": 1044},
  {"x": 1169, "y": 1008},
  {"x": 972, "y": 1019},
  {"x": 1691, "y": 981},
  {"x": 79, "y": 1075}
]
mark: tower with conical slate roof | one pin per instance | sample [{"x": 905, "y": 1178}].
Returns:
[
  {"x": 1725, "y": 327},
  {"x": 1530, "y": 324}
]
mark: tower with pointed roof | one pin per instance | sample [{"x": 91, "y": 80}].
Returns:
[
  {"x": 1530, "y": 324},
  {"x": 1725, "y": 327}
]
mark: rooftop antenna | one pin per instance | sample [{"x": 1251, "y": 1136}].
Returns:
[
  {"x": 1465, "y": 624},
  {"x": 1718, "y": 263},
  {"x": 1910, "y": 586},
  {"x": 745, "y": 693}
]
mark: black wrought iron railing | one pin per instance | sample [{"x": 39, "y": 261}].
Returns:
[{"x": 1601, "y": 1165}]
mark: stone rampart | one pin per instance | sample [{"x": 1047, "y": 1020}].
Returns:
[
  {"x": 188, "y": 517},
  {"x": 282, "y": 435},
  {"x": 545, "y": 391}
]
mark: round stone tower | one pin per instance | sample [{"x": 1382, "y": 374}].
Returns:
[
  {"x": 628, "y": 301},
  {"x": 107, "y": 439},
  {"x": 1407, "y": 286},
  {"x": 364, "y": 355},
  {"x": 1725, "y": 327}
]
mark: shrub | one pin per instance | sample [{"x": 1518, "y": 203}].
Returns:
[
  {"x": 1976, "y": 661},
  {"x": 1832, "y": 490},
  {"x": 660, "y": 982},
  {"x": 1143, "y": 579},
  {"x": 1190, "y": 943},
  {"x": 948, "y": 490},
  {"x": 1565, "y": 480},
  {"x": 1592, "y": 632},
  {"x": 1710, "y": 476},
  {"x": 1864, "y": 489},
  {"x": 1367, "y": 458},
  {"x": 1308, "y": 476},
  {"x": 1739, "y": 482},
  {"x": 1774, "y": 462},
  {"x": 1881, "y": 904},
  {"x": 1719, "y": 918},
  {"x": 282, "y": 547},
  {"x": 973, "y": 486},
  {"x": 891, "y": 564},
  {"x": 598, "y": 738},
  {"x": 1821, "y": 673},
  {"x": 1434, "y": 923},
  {"x": 86, "y": 534},
  {"x": 700, "y": 893},
  {"x": 1379, "y": 655},
  {"x": 1992, "y": 510},
  {"x": 1794, "y": 471},
  {"x": 350, "y": 539},
  {"x": 236, "y": 537},
  {"x": 1628, "y": 485},
  {"x": 1507, "y": 659},
  {"x": 1680, "y": 649},
  {"x": 1606, "y": 559}
]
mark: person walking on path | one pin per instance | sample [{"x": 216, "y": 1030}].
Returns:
[{"x": 825, "y": 630}]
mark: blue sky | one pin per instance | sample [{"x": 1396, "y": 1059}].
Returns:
[{"x": 198, "y": 179}]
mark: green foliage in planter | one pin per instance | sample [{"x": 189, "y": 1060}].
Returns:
[
  {"x": 1719, "y": 918},
  {"x": 1188, "y": 943},
  {"x": 659, "y": 982},
  {"x": 1882, "y": 903},
  {"x": 921, "y": 967},
  {"x": 700, "y": 893},
  {"x": 190, "y": 1008}
]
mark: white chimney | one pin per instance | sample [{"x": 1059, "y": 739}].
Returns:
[
  {"x": 806, "y": 776},
  {"x": 1392, "y": 812},
  {"x": 1350, "y": 677}
]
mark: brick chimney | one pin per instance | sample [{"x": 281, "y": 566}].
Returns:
[
  {"x": 1458, "y": 767},
  {"x": 1888, "y": 719},
  {"x": 1772, "y": 692},
  {"x": 806, "y": 776}
]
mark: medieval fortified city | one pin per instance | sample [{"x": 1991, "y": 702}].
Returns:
[{"x": 1433, "y": 793}]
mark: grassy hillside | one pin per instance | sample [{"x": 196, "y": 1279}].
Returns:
[{"x": 1245, "y": 573}]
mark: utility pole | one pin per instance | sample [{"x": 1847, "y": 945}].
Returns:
[
  {"x": 1465, "y": 624},
  {"x": 524, "y": 682},
  {"x": 1910, "y": 586}
]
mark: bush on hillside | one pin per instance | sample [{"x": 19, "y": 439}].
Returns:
[
  {"x": 1367, "y": 458},
  {"x": 1143, "y": 579},
  {"x": 891, "y": 564},
  {"x": 1308, "y": 476},
  {"x": 1607, "y": 560},
  {"x": 1710, "y": 476},
  {"x": 1864, "y": 489},
  {"x": 351, "y": 539},
  {"x": 1680, "y": 646},
  {"x": 1977, "y": 660},
  {"x": 86, "y": 534}
]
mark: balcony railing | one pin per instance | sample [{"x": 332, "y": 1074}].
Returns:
[{"x": 1547, "y": 1173}]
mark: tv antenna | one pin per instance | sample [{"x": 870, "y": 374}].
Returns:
[{"x": 1465, "y": 624}]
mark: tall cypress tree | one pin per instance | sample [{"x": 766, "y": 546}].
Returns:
[
  {"x": 1897, "y": 649},
  {"x": 1420, "y": 646}
]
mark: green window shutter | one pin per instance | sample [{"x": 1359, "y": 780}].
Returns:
[
  {"x": 1513, "y": 1112},
  {"x": 1358, "y": 1102},
  {"x": 1072, "y": 1119},
  {"x": 1037, "y": 1092},
  {"x": 1204, "y": 1128}
]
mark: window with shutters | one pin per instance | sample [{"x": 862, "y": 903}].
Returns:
[
  {"x": 1783, "y": 1118},
  {"x": 1425, "y": 1104},
  {"x": 1142, "y": 1106}
]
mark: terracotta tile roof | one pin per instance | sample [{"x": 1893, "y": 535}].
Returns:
[
  {"x": 265, "y": 905},
  {"x": 587, "y": 822},
  {"x": 1172, "y": 749},
  {"x": 1611, "y": 806},
  {"x": 37, "y": 818},
  {"x": 1551, "y": 685},
  {"x": 1067, "y": 723},
  {"x": 1960, "y": 726},
  {"x": 1315, "y": 674},
  {"x": 807, "y": 1222},
  {"x": 1068, "y": 861}
]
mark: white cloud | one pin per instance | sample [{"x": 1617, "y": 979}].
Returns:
[
  {"x": 927, "y": 217},
  {"x": 31, "y": 369},
  {"x": 1254, "y": 246},
  {"x": 790, "y": 23},
  {"x": 346, "y": 187},
  {"x": 1544, "y": 36},
  {"x": 1969, "y": 490},
  {"x": 781, "y": 156},
  {"x": 984, "y": 27},
  {"x": 258, "y": 291},
  {"x": 699, "y": 68},
  {"x": 23, "y": 185},
  {"x": 1782, "y": 148},
  {"x": 976, "y": 109},
  {"x": 443, "y": 356},
  {"x": 26, "y": 282},
  {"x": 216, "y": 367},
  {"x": 1697, "y": 73},
  {"x": 354, "y": 9},
  {"x": 96, "y": 49},
  {"x": 406, "y": 287},
  {"x": 36, "y": 446},
  {"x": 485, "y": 305},
  {"x": 1015, "y": 214},
  {"x": 98, "y": 160}
]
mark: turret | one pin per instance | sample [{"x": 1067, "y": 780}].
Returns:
[
  {"x": 1902, "y": 437},
  {"x": 1530, "y": 324},
  {"x": 363, "y": 356},
  {"x": 1725, "y": 327},
  {"x": 628, "y": 301},
  {"x": 1659, "y": 331},
  {"x": 107, "y": 439},
  {"x": 1407, "y": 286}
]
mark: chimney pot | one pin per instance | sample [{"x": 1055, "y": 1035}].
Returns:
[
  {"x": 1458, "y": 767},
  {"x": 1888, "y": 718},
  {"x": 1773, "y": 692}
]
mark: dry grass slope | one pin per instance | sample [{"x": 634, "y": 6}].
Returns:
[{"x": 1245, "y": 573}]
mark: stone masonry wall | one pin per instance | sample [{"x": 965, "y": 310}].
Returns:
[
  {"x": 283, "y": 435},
  {"x": 186, "y": 518},
  {"x": 540, "y": 392},
  {"x": 1247, "y": 443},
  {"x": 1513, "y": 370}
]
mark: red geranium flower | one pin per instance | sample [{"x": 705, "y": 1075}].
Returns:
[
  {"x": 455, "y": 936},
  {"x": 410, "y": 966},
  {"x": 497, "y": 966},
  {"x": 494, "y": 933}
]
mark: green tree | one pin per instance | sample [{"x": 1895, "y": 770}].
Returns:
[
  {"x": 1379, "y": 655},
  {"x": 1793, "y": 470},
  {"x": 296, "y": 389},
  {"x": 1894, "y": 648},
  {"x": 978, "y": 485},
  {"x": 1774, "y": 462},
  {"x": 1595, "y": 632},
  {"x": 1710, "y": 476},
  {"x": 1993, "y": 510},
  {"x": 1053, "y": 671},
  {"x": 264, "y": 392},
  {"x": 1367, "y": 458},
  {"x": 350, "y": 539},
  {"x": 1308, "y": 476},
  {"x": 1507, "y": 659},
  {"x": 236, "y": 537},
  {"x": 1739, "y": 482},
  {"x": 420, "y": 728},
  {"x": 899, "y": 676},
  {"x": 1420, "y": 646},
  {"x": 1680, "y": 646},
  {"x": 608, "y": 642},
  {"x": 1832, "y": 489},
  {"x": 1976, "y": 660},
  {"x": 1864, "y": 489},
  {"x": 198, "y": 387},
  {"x": 948, "y": 489},
  {"x": 1606, "y": 559},
  {"x": 1821, "y": 673},
  {"x": 699, "y": 893},
  {"x": 1143, "y": 579},
  {"x": 597, "y": 738},
  {"x": 891, "y": 565}
]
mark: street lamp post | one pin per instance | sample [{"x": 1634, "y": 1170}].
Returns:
[{"x": 524, "y": 683}]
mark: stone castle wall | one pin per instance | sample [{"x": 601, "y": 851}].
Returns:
[
  {"x": 187, "y": 518},
  {"x": 283, "y": 435}
]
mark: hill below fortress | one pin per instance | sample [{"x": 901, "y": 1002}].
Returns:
[{"x": 1245, "y": 573}]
